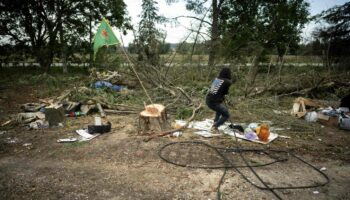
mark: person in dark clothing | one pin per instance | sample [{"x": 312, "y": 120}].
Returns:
[
  {"x": 345, "y": 101},
  {"x": 216, "y": 96}
]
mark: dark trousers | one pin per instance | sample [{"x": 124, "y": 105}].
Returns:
[{"x": 221, "y": 115}]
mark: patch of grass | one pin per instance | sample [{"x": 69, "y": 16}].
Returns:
[{"x": 183, "y": 112}]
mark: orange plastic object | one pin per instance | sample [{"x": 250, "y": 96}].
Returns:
[
  {"x": 257, "y": 130},
  {"x": 264, "y": 132}
]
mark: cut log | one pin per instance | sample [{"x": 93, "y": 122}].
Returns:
[
  {"x": 179, "y": 128},
  {"x": 153, "y": 119}
]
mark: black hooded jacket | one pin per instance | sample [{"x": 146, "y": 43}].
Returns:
[{"x": 219, "y": 87}]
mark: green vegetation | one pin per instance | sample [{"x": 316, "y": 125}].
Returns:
[
  {"x": 257, "y": 40},
  {"x": 47, "y": 28}
]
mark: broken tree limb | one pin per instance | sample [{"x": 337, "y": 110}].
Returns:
[
  {"x": 63, "y": 96},
  {"x": 177, "y": 129},
  {"x": 120, "y": 111},
  {"x": 100, "y": 109},
  {"x": 134, "y": 70},
  {"x": 185, "y": 94}
]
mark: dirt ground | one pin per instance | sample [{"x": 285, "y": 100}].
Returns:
[{"x": 120, "y": 165}]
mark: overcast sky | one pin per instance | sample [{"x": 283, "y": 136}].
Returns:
[{"x": 176, "y": 33}]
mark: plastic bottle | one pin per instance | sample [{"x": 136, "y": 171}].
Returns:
[{"x": 75, "y": 114}]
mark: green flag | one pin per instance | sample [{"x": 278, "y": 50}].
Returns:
[{"x": 104, "y": 36}]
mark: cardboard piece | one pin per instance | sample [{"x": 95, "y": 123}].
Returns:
[
  {"x": 204, "y": 127},
  {"x": 299, "y": 106},
  {"x": 331, "y": 121}
]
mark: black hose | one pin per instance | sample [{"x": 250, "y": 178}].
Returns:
[{"x": 229, "y": 165}]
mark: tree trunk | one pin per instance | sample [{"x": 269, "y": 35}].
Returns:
[
  {"x": 44, "y": 57},
  {"x": 328, "y": 63},
  {"x": 90, "y": 41},
  {"x": 214, "y": 33},
  {"x": 64, "y": 60},
  {"x": 63, "y": 51},
  {"x": 280, "y": 62}
]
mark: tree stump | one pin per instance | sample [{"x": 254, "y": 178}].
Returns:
[{"x": 153, "y": 119}]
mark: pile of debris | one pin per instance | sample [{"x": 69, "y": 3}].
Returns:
[
  {"x": 75, "y": 102},
  {"x": 312, "y": 111},
  {"x": 252, "y": 132}
]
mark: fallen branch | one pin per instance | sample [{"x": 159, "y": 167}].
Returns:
[
  {"x": 63, "y": 96},
  {"x": 120, "y": 111},
  {"x": 177, "y": 129},
  {"x": 100, "y": 109},
  {"x": 185, "y": 94}
]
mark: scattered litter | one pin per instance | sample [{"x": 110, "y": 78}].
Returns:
[
  {"x": 205, "y": 126},
  {"x": 90, "y": 133},
  {"x": 327, "y": 120},
  {"x": 277, "y": 112},
  {"x": 86, "y": 109},
  {"x": 103, "y": 128},
  {"x": 323, "y": 169},
  {"x": 27, "y": 144},
  {"x": 11, "y": 140},
  {"x": 253, "y": 126},
  {"x": 271, "y": 137},
  {"x": 316, "y": 192},
  {"x": 180, "y": 123},
  {"x": 2, "y": 132},
  {"x": 83, "y": 133},
  {"x": 344, "y": 122},
  {"x": 319, "y": 139},
  {"x": 277, "y": 129},
  {"x": 32, "y": 107},
  {"x": 74, "y": 102},
  {"x": 330, "y": 112},
  {"x": 343, "y": 109},
  {"x": 6, "y": 123},
  {"x": 98, "y": 121},
  {"x": 202, "y": 125},
  {"x": 105, "y": 84},
  {"x": 284, "y": 136},
  {"x": 250, "y": 134},
  {"x": 29, "y": 117},
  {"x": 75, "y": 114},
  {"x": 311, "y": 116},
  {"x": 236, "y": 127},
  {"x": 177, "y": 134},
  {"x": 39, "y": 124},
  {"x": 313, "y": 111},
  {"x": 70, "y": 106},
  {"x": 67, "y": 140},
  {"x": 299, "y": 106},
  {"x": 102, "y": 84}
]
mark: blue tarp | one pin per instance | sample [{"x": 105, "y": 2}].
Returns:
[{"x": 104, "y": 84}]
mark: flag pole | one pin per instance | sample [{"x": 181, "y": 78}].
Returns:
[
  {"x": 133, "y": 68},
  {"x": 127, "y": 57}
]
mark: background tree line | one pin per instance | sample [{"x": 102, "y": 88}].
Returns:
[{"x": 226, "y": 29}]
